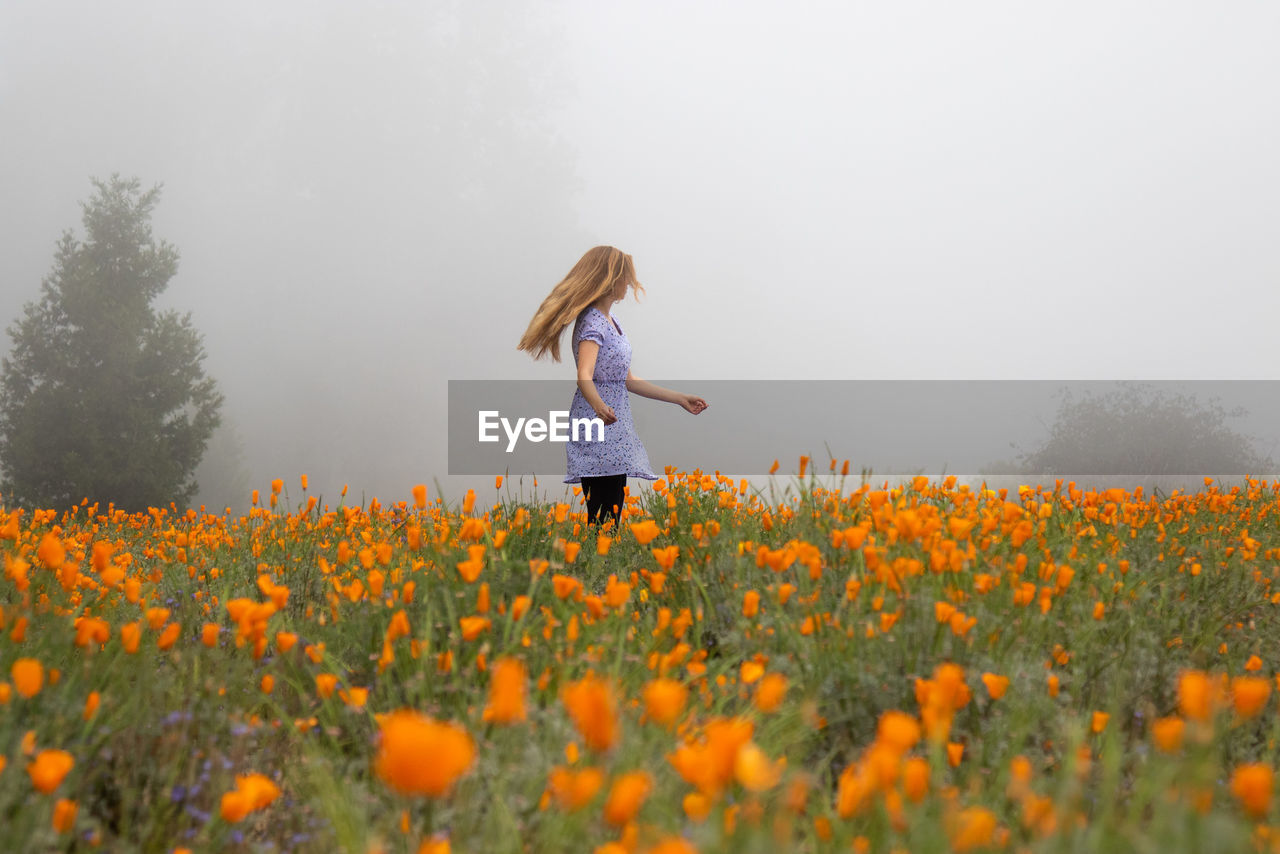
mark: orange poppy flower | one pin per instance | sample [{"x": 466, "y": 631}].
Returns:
[
  {"x": 508, "y": 684},
  {"x": 664, "y": 700},
  {"x": 472, "y": 627},
  {"x": 1168, "y": 733},
  {"x": 1197, "y": 695},
  {"x": 49, "y": 769},
  {"x": 420, "y": 756},
  {"x": 519, "y": 606},
  {"x": 51, "y": 552},
  {"x": 754, "y": 770},
  {"x": 325, "y": 684},
  {"x": 1251, "y": 784},
  {"x": 92, "y": 630},
  {"x": 626, "y": 796},
  {"x": 770, "y": 692},
  {"x": 666, "y": 557},
  {"x": 565, "y": 586},
  {"x": 915, "y": 779},
  {"x": 355, "y": 698},
  {"x": 616, "y": 594},
  {"x": 574, "y": 789},
  {"x": 708, "y": 762},
  {"x": 750, "y": 672},
  {"x": 131, "y": 636},
  {"x": 64, "y": 815},
  {"x": 593, "y": 705},
  {"x": 898, "y": 730},
  {"x": 645, "y": 531},
  {"x": 252, "y": 792},
  {"x": 996, "y": 684},
  {"x": 28, "y": 676},
  {"x": 470, "y": 569},
  {"x": 1249, "y": 694},
  {"x": 973, "y": 828},
  {"x": 169, "y": 636}
]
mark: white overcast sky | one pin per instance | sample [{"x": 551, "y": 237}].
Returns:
[{"x": 372, "y": 198}]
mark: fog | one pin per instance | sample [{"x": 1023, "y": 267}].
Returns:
[{"x": 372, "y": 199}]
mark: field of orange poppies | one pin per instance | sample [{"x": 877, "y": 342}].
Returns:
[{"x": 833, "y": 667}]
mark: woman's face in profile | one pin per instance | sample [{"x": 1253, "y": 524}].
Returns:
[{"x": 620, "y": 290}]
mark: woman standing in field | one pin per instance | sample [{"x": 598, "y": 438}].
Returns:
[{"x": 603, "y": 356}]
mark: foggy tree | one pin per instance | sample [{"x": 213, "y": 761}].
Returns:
[
  {"x": 1133, "y": 431},
  {"x": 103, "y": 397}
]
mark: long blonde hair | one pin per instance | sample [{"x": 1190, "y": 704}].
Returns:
[{"x": 595, "y": 274}]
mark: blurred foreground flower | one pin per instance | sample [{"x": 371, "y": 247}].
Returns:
[
  {"x": 593, "y": 705},
  {"x": 420, "y": 756},
  {"x": 507, "y": 687},
  {"x": 252, "y": 792},
  {"x": 49, "y": 769}
]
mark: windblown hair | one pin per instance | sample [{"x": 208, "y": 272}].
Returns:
[{"x": 594, "y": 276}]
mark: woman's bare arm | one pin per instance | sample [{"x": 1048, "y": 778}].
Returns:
[
  {"x": 587, "y": 352},
  {"x": 644, "y": 388}
]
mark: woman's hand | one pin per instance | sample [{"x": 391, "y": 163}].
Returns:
[
  {"x": 692, "y": 404},
  {"x": 606, "y": 414}
]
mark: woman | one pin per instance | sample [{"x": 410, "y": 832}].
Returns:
[{"x": 603, "y": 356}]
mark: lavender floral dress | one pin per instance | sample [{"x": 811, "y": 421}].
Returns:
[{"x": 621, "y": 451}]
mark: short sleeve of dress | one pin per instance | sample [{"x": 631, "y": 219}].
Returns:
[{"x": 589, "y": 328}]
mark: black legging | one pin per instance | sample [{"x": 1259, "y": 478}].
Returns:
[{"x": 604, "y": 497}]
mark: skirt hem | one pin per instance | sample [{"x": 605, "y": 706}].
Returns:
[{"x": 577, "y": 478}]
